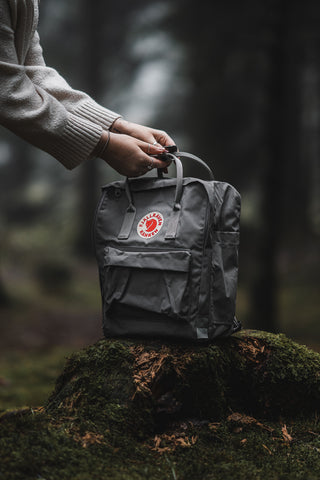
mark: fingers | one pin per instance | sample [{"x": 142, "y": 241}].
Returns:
[
  {"x": 143, "y": 133},
  {"x": 159, "y": 163},
  {"x": 132, "y": 157},
  {"x": 163, "y": 138},
  {"x": 152, "y": 162},
  {"x": 151, "y": 149}
]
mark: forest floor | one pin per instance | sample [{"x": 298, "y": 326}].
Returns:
[{"x": 237, "y": 447}]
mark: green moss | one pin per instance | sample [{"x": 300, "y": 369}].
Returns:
[
  {"x": 33, "y": 446},
  {"x": 97, "y": 384},
  {"x": 283, "y": 378},
  {"x": 124, "y": 410}
]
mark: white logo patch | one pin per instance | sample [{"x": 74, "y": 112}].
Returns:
[{"x": 150, "y": 225}]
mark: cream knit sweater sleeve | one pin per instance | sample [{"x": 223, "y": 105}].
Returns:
[
  {"x": 39, "y": 106},
  {"x": 75, "y": 101}
]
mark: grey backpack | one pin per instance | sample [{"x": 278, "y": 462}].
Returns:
[{"x": 167, "y": 251}]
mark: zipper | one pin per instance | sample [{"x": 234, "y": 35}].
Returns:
[{"x": 148, "y": 249}]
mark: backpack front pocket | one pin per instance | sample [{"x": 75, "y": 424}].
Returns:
[{"x": 155, "y": 281}]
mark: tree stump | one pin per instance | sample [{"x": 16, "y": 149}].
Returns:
[
  {"x": 133, "y": 409},
  {"x": 145, "y": 384}
]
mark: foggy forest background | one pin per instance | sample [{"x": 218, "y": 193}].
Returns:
[{"x": 236, "y": 83}]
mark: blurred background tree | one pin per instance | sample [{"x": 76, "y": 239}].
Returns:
[{"x": 237, "y": 83}]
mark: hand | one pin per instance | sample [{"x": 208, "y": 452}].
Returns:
[
  {"x": 130, "y": 156},
  {"x": 147, "y": 134}
]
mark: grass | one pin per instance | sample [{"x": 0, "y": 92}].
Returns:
[{"x": 28, "y": 377}]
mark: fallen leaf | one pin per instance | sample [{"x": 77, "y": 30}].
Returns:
[
  {"x": 253, "y": 349},
  {"x": 89, "y": 438},
  {"x": 184, "y": 442},
  {"x": 268, "y": 449},
  {"x": 247, "y": 420},
  {"x": 286, "y": 436},
  {"x": 37, "y": 410},
  {"x": 168, "y": 443},
  {"x": 157, "y": 441},
  {"x": 194, "y": 439},
  {"x": 214, "y": 426}
]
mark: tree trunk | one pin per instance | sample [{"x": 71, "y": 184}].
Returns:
[
  {"x": 279, "y": 116},
  {"x": 93, "y": 21}
]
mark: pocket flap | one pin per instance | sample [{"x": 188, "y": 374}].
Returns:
[{"x": 173, "y": 260}]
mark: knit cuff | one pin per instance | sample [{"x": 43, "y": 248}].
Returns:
[
  {"x": 95, "y": 113},
  {"x": 77, "y": 142}
]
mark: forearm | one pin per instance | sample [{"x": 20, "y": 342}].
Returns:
[
  {"x": 74, "y": 101},
  {"x": 34, "y": 115},
  {"x": 66, "y": 137}
]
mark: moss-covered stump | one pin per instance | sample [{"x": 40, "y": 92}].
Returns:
[
  {"x": 143, "y": 384},
  {"x": 131, "y": 410}
]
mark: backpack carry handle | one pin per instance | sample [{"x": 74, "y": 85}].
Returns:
[
  {"x": 179, "y": 169},
  {"x": 175, "y": 158},
  {"x": 164, "y": 157},
  {"x": 198, "y": 160}
]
